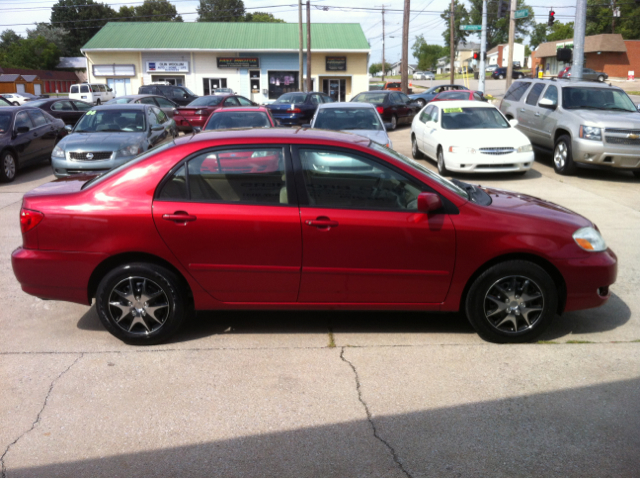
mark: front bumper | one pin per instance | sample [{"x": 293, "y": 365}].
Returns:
[
  {"x": 606, "y": 154},
  {"x": 63, "y": 167},
  {"x": 588, "y": 279},
  {"x": 483, "y": 163}
]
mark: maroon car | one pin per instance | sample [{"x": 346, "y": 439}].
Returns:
[
  {"x": 394, "y": 107},
  {"x": 196, "y": 113}
]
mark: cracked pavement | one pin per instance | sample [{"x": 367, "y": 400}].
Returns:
[{"x": 328, "y": 393}]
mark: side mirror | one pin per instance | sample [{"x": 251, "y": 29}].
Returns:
[
  {"x": 69, "y": 128},
  {"x": 157, "y": 128},
  {"x": 197, "y": 129},
  {"x": 22, "y": 129},
  {"x": 428, "y": 202},
  {"x": 548, "y": 103},
  {"x": 513, "y": 123}
]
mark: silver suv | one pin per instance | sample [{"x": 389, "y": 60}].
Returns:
[{"x": 582, "y": 122}]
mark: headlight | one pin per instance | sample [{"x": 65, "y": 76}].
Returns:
[
  {"x": 525, "y": 148},
  {"x": 590, "y": 133},
  {"x": 130, "y": 150},
  {"x": 461, "y": 149},
  {"x": 589, "y": 239},
  {"x": 57, "y": 152}
]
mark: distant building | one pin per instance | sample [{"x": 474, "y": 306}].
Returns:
[
  {"x": 37, "y": 82},
  {"x": 396, "y": 68},
  {"x": 499, "y": 55}
]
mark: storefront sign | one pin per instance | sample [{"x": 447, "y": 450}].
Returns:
[
  {"x": 166, "y": 67},
  {"x": 238, "y": 62},
  {"x": 336, "y": 64}
]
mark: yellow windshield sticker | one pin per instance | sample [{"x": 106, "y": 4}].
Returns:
[
  {"x": 91, "y": 112},
  {"x": 452, "y": 110}
]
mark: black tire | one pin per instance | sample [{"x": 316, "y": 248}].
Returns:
[
  {"x": 601, "y": 78},
  {"x": 120, "y": 311},
  {"x": 415, "y": 151},
  {"x": 16, "y": 103},
  {"x": 563, "y": 163},
  {"x": 501, "y": 77},
  {"x": 515, "y": 314},
  {"x": 8, "y": 167},
  {"x": 98, "y": 102},
  {"x": 636, "y": 174},
  {"x": 442, "y": 167},
  {"x": 520, "y": 76},
  {"x": 394, "y": 122},
  {"x": 422, "y": 102}
]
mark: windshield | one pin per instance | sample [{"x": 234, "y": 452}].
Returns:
[
  {"x": 5, "y": 122},
  {"x": 414, "y": 164},
  {"x": 577, "y": 98},
  {"x": 347, "y": 119},
  {"x": 188, "y": 91},
  {"x": 131, "y": 162},
  {"x": 292, "y": 98},
  {"x": 223, "y": 120},
  {"x": 209, "y": 100},
  {"x": 371, "y": 97},
  {"x": 119, "y": 101},
  {"x": 454, "y": 95},
  {"x": 111, "y": 121},
  {"x": 473, "y": 119}
]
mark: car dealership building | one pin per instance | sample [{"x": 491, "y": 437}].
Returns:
[{"x": 257, "y": 60}]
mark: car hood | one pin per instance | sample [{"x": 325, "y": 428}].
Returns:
[
  {"x": 107, "y": 141},
  {"x": 379, "y": 136},
  {"x": 512, "y": 203},
  {"x": 614, "y": 119},
  {"x": 487, "y": 138}
]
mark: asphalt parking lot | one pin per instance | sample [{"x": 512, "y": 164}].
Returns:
[{"x": 327, "y": 393}]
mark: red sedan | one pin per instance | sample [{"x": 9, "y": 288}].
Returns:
[
  {"x": 303, "y": 219},
  {"x": 459, "y": 95},
  {"x": 196, "y": 113}
]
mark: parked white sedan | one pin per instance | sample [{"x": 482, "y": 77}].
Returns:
[{"x": 470, "y": 137}]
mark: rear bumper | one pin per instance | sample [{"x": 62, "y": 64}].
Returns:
[
  {"x": 588, "y": 280},
  {"x": 186, "y": 123},
  {"x": 59, "y": 275},
  {"x": 606, "y": 154}
]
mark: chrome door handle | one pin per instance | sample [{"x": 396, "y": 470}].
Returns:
[
  {"x": 321, "y": 223},
  {"x": 522, "y": 109},
  {"x": 537, "y": 114},
  {"x": 179, "y": 217}
]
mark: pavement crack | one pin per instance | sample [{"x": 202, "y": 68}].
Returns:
[
  {"x": 38, "y": 417},
  {"x": 396, "y": 459}
]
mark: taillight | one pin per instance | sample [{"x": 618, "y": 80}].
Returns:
[
  {"x": 29, "y": 219},
  {"x": 294, "y": 110},
  {"x": 380, "y": 109},
  {"x": 199, "y": 112}
]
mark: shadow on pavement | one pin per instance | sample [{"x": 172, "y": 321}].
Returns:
[
  {"x": 35, "y": 172},
  {"x": 581, "y": 432}
]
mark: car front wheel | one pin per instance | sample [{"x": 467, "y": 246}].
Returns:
[
  {"x": 141, "y": 303},
  {"x": 442, "y": 167},
  {"x": 501, "y": 77},
  {"x": 421, "y": 102},
  {"x": 8, "y": 167},
  {"x": 563, "y": 163},
  {"x": 512, "y": 302},
  {"x": 601, "y": 78},
  {"x": 415, "y": 151}
]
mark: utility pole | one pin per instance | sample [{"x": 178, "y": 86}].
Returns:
[
  {"x": 453, "y": 47},
  {"x": 512, "y": 34},
  {"x": 404, "y": 78},
  {"x": 383, "y": 63},
  {"x": 613, "y": 17},
  {"x": 301, "y": 76},
  {"x": 578, "y": 40},
  {"x": 483, "y": 47},
  {"x": 309, "y": 86}
]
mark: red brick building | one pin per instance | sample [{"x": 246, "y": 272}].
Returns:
[{"x": 607, "y": 52}]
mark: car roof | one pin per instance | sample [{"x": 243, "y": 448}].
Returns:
[
  {"x": 241, "y": 108},
  {"x": 141, "y": 95},
  {"x": 463, "y": 104},
  {"x": 567, "y": 83},
  {"x": 285, "y": 135},
  {"x": 343, "y": 105},
  {"x": 123, "y": 106}
]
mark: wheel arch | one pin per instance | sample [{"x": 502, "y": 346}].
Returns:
[
  {"x": 131, "y": 257},
  {"x": 559, "y": 132},
  {"x": 555, "y": 274},
  {"x": 13, "y": 151}
]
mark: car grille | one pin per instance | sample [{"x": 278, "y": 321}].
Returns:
[
  {"x": 497, "y": 151},
  {"x": 97, "y": 155},
  {"x": 622, "y": 131},
  {"x": 622, "y": 141}
]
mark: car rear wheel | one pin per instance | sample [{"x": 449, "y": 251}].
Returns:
[
  {"x": 141, "y": 303},
  {"x": 394, "y": 122},
  {"x": 442, "y": 167},
  {"x": 601, "y": 78},
  {"x": 422, "y": 102},
  {"x": 512, "y": 302},
  {"x": 9, "y": 167},
  {"x": 563, "y": 162},
  {"x": 415, "y": 151},
  {"x": 501, "y": 76}
]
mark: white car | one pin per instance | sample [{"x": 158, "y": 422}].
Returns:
[
  {"x": 470, "y": 137},
  {"x": 353, "y": 117},
  {"x": 18, "y": 98}
]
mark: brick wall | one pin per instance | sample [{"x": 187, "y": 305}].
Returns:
[{"x": 616, "y": 64}]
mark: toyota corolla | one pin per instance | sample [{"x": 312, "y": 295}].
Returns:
[{"x": 303, "y": 219}]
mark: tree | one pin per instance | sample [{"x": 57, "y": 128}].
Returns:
[
  {"x": 460, "y": 17},
  {"x": 498, "y": 28},
  {"x": 50, "y": 33},
  {"x": 538, "y": 36},
  {"x": 560, "y": 31},
  {"x": 427, "y": 55},
  {"x": 262, "y": 17},
  {"x": 153, "y": 11},
  {"x": 7, "y": 38},
  {"x": 80, "y": 21},
  {"x": 600, "y": 19},
  {"x": 35, "y": 53},
  {"x": 377, "y": 67},
  {"x": 221, "y": 11}
]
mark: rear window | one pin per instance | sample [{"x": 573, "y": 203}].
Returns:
[
  {"x": 292, "y": 98},
  {"x": 517, "y": 90},
  {"x": 238, "y": 119},
  {"x": 74, "y": 89},
  {"x": 371, "y": 97},
  {"x": 209, "y": 100}
]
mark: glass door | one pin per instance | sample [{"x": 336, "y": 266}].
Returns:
[{"x": 336, "y": 89}]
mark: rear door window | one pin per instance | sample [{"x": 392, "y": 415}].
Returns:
[
  {"x": 534, "y": 94},
  {"x": 243, "y": 101},
  {"x": 231, "y": 101},
  {"x": 37, "y": 118},
  {"x": 164, "y": 103},
  {"x": 147, "y": 101},
  {"x": 62, "y": 106},
  {"x": 551, "y": 94},
  {"x": 22, "y": 119},
  {"x": 517, "y": 90}
]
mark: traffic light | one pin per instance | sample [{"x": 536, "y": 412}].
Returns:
[
  {"x": 552, "y": 18},
  {"x": 503, "y": 9},
  {"x": 476, "y": 56}
]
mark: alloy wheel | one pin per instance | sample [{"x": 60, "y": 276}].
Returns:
[
  {"x": 422, "y": 103},
  {"x": 394, "y": 122},
  {"x": 9, "y": 166},
  {"x": 513, "y": 304},
  {"x": 560, "y": 155},
  {"x": 139, "y": 305}
]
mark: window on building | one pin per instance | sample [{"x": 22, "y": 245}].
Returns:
[{"x": 282, "y": 82}]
